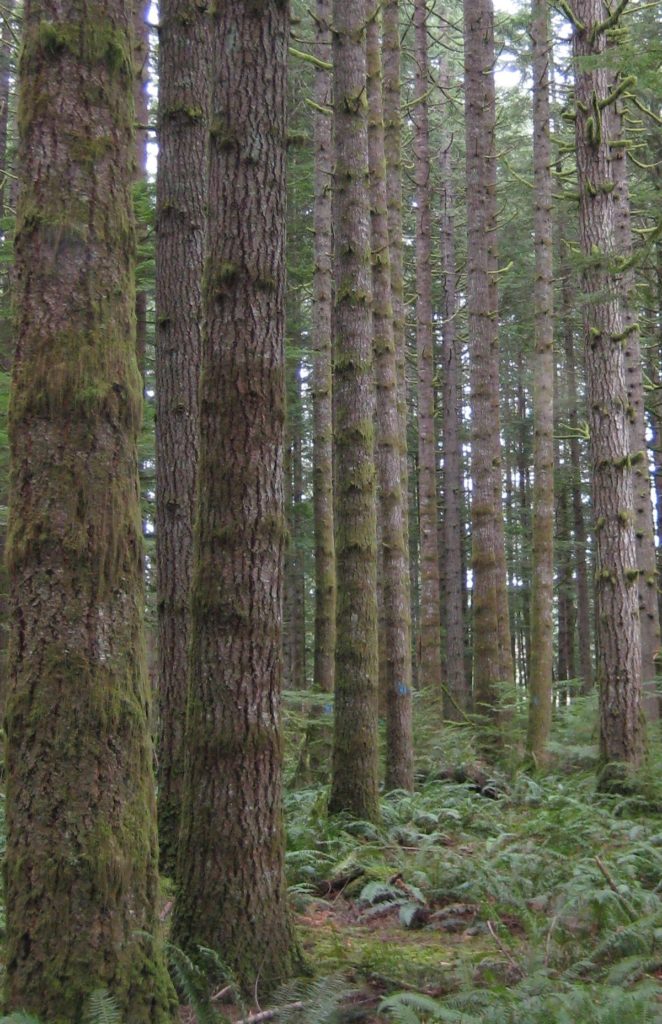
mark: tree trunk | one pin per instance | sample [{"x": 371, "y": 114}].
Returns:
[
  {"x": 542, "y": 597},
  {"x": 181, "y": 195},
  {"x": 294, "y": 617},
  {"x": 492, "y": 656},
  {"x": 141, "y": 109},
  {"x": 355, "y": 767},
  {"x": 325, "y": 567},
  {"x": 232, "y": 895},
  {"x": 81, "y": 867},
  {"x": 649, "y": 619},
  {"x": 619, "y": 646},
  {"x": 457, "y": 702},
  {"x": 396, "y": 640},
  {"x": 430, "y": 614}
]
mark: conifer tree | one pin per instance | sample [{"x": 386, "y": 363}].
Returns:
[{"x": 81, "y": 867}]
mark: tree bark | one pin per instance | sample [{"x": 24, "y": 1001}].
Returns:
[
  {"x": 355, "y": 767},
  {"x": 452, "y": 606},
  {"x": 81, "y": 868},
  {"x": 619, "y": 645},
  {"x": 231, "y": 887},
  {"x": 542, "y": 597},
  {"x": 430, "y": 598},
  {"x": 396, "y": 640},
  {"x": 492, "y": 654},
  {"x": 181, "y": 195},
  {"x": 325, "y": 566}
]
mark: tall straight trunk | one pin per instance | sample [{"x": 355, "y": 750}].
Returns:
[
  {"x": 231, "y": 885},
  {"x": 542, "y": 597},
  {"x": 452, "y": 610},
  {"x": 5, "y": 335},
  {"x": 619, "y": 643},
  {"x": 430, "y": 614},
  {"x": 81, "y": 868},
  {"x": 325, "y": 566},
  {"x": 6, "y": 41},
  {"x": 294, "y": 618},
  {"x": 141, "y": 109},
  {"x": 649, "y": 618},
  {"x": 581, "y": 553},
  {"x": 396, "y": 640},
  {"x": 181, "y": 195},
  {"x": 492, "y": 656},
  {"x": 355, "y": 766}
]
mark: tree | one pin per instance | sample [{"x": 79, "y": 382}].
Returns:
[
  {"x": 81, "y": 868},
  {"x": 184, "y": 81},
  {"x": 325, "y": 567},
  {"x": 396, "y": 637},
  {"x": 619, "y": 646},
  {"x": 492, "y": 653},
  {"x": 540, "y": 681},
  {"x": 354, "y": 782},
  {"x": 231, "y": 887},
  {"x": 430, "y": 614}
]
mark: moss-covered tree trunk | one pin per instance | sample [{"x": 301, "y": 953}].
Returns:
[
  {"x": 649, "y": 618},
  {"x": 542, "y": 596},
  {"x": 491, "y": 629},
  {"x": 141, "y": 110},
  {"x": 428, "y": 515},
  {"x": 453, "y": 493},
  {"x": 81, "y": 869},
  {"x": 396, "y": 638},
  {"x": 354, "y": 783},
  {"x": 231, "y": 888},
  {"x": 325, "y": 564},
  {"x": 617, "y": 614},
  {"x": 181, "y": 194}
]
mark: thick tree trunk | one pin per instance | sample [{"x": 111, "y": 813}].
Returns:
[
  {"x": 430, "y": 615},
  {"x": 542, "y": 597},
  {"x": 325, "y": 565},
  {"x": 355, "y": 767},
  {"x": 457, "y": 702},
  {"x": 492, "y": 655},
  {"x": 81, "y": 868},
  {"x": 181, "y": 194},
  {"x": 619, "y": 645},
  {"x": 396, "y": 639},
  {"x": 649, "y": 618},
  {"x": 231, "y": 886}
]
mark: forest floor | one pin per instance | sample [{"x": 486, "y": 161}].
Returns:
[{"x": 506, "y": 898}]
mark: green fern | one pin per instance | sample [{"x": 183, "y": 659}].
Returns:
[
  {"x": 102, "y": 1008},
  {"x": 193, "y": 985}
]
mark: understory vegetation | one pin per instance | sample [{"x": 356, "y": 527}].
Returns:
[{"x": 488, "y": 895}]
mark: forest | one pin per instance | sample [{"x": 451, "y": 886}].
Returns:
[{"x": 331, "y": 511}]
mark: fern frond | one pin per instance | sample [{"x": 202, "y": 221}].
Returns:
[{"x": 102, "y": 1008}]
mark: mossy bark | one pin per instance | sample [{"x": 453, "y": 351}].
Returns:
[
  {"x": 491, "y": 629},
  {"x": 355, "y": 767},
  {"x": 617, "y": 613},
  {"x": 325, "y": 562},
  {"x": 231, "y": 893},
  {"x": 542, "y": 596},
  {"x": 458, "y": 698},
  {"x": 429, "y": 642},
  {"x": 81, "y": 868},
  {"x": 181, "y": 193},
  {"x": 395, "y": 640}
]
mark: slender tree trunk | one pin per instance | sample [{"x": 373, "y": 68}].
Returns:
[
  {"x": 231, "y": 885},
  {"x": 181, "y": 195},
  {"x": 430, "y": 621},
  {"x": 392, "y": 498},
  {"x": 355, "y": 767},
  {"x": 81, "y": 867},
  {"x": 295, "y": 584},
  {"x": 542, "y": 597},
  {"x": 325, "y": 569},
  {"x": 649, "y": 619},
  {"x": 492, "y": 657},
  {"x": 452, "y": 611},
  {"x": 619, "y": 645},
  {"x": 141, "y": 109}
]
